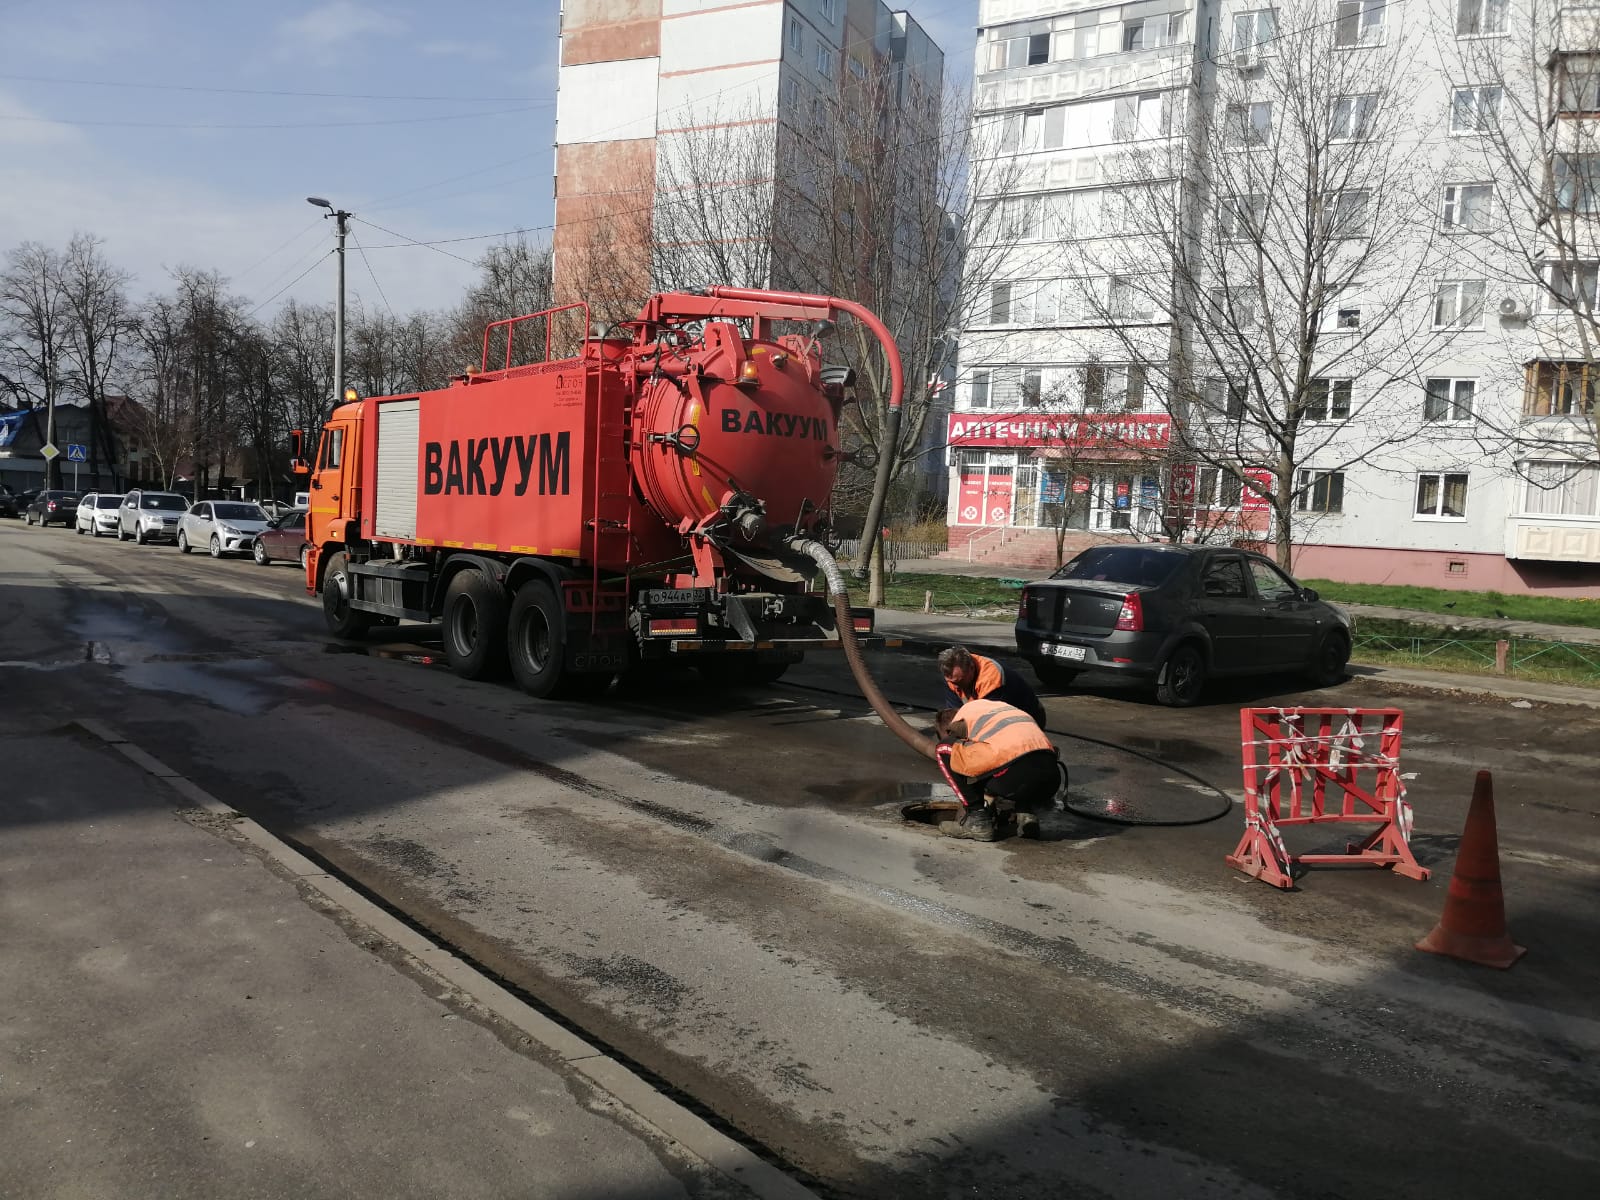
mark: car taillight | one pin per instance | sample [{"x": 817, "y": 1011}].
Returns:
[
  {"x": 1131, "y": 618},
  {"x": 1022, "y": 605},
  {"x": 52, "y": 506}
]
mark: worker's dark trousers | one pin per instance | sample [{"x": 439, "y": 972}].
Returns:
[{"x": 1029, "y": 782}]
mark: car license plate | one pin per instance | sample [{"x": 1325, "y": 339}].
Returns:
[{"x": 1074, "y": 652}]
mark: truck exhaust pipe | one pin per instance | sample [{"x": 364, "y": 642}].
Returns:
[{"x": 839, "y": 594}]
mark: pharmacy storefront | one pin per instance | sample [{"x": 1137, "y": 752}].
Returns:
[{"x": 1092, "y": 472}]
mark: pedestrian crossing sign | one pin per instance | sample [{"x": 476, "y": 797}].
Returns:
[{"x": 77, "y": 452}]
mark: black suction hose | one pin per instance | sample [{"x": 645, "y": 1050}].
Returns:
[{"x": 837, "y": 592}]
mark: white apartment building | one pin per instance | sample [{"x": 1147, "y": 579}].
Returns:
[{"x": 1446, "y": 435}]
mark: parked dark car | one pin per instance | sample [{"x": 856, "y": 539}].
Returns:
[
  {"x": 8, "y": 505},
  {"x": 52, "y": 508},
  {"x": 284, "y": 538},
  {"x": 1178, "y": 615}
]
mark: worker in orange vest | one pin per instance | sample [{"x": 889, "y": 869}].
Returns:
[
  {"x": 969, "y": 676},
  {"x": 990, "y": 751}
]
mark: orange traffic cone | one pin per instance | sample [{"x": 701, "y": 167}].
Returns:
[{"x": 1473, "y": 925}]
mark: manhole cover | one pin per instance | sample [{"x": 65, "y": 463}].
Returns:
[{"x": 1174, "y": 802}]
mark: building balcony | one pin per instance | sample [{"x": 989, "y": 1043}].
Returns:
[{"x": 1553, "y": 539}]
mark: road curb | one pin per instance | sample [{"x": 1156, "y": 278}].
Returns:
[{"x": 672, "y": 1121}]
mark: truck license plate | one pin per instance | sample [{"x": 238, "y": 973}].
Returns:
[{"x": 1073, "y": 652}]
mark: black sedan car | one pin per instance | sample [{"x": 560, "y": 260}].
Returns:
[
  {"x": 52, "y": 508},
  {"x": 1178, "y": 615},
  {"x": 8, "y": 505}
]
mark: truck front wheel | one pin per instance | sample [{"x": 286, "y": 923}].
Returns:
[
  {"x": 343, "y": 621},
  {"x": 536, "y": 640},
  {"x": 475, "y": 626}
]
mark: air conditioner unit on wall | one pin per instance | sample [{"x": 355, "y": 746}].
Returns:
[
  {"x": 1246, "y": 60},
  {"x": 1513, "y": 308}
]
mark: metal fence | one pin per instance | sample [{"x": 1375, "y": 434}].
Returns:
[
  {"x": 896, "y": 550},
  {"x": 1503, "y": 656}
]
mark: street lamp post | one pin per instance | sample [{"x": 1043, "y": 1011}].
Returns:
[{"x": 341, "y": 226}]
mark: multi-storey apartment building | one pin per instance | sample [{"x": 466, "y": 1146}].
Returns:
[
  {"x": 1326, "y": 266},
  {"x": 680, "y": 125}
]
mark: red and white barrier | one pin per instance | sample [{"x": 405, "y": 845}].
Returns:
[{"x": 1322, "y": 766}]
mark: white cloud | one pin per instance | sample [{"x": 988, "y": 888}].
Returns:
[{"x": 323, "y": 33}]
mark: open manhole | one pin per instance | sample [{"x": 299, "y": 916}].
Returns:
[{"x": 933, "y": 813}]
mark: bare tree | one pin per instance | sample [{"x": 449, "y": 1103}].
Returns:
[
  {"x": 34, "y": 323},
  {"x": 100, "y": 327},
  {"x": 1265, "y": 275},
  {"x": 161, "y": 416},
  {"x": 514, "y": 279}
]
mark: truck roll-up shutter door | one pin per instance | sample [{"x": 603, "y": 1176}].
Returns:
[{"x": 395, "y": 514}]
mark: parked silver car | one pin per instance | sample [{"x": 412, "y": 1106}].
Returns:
[
  {"x": 147, "y": 516},
  {"x": 221, "y": 526},
  {"x": 97, "y": 513}
]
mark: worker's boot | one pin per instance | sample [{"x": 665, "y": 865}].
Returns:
[
  {"x": 976, "y": 825},
  {"x": 1027, "y": 825}
]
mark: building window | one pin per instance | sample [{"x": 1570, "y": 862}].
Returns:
[
  {"x": 1352, "y": 117},
  {"x": 826, "y": 9},
  {"x": 1032, "y": 387},
  {"x": 1113, "y": 389},
  {"x": 1149, "y": 33},
  {"x": 796, "y": 34},
  {"x": 1571, "y": 286},
  {"x": 1466, "y": 207},
  {"x": 1126, "y": 299},
  {"x": 825, "y": 60},
  {"x": 1347, "y": 318},
  {"x": 1000, "y": 304},
  {"x": 1029, "y": 50},
  {"x": 1347, "y": 213},
  {"x": 1252, "y": 31},
  {"x": 1241, "y": 218},
  {"x": 1146, "y": 115},
  {"x": 1561, "y": 389},
  {"x": 1217, "y": 488},
  {"x": 978, "y": 389},
  {"x": 1223, "y": 398},
  {"x": 1326, "y": 400},
  {"x": 1458, "y": 304},
  {"x": 1575, "y": 180},
  {"x": 1233, "y": 308},
  {"x": 1249, "y": 124},
  {"x": 1442, "y": 495},
  {"x": 1448, "y": 400},
  {"x": 1474, "y": 109},
  {"x": 1580, "y": 84},
  {"x": 1320, "y": 491},
  {"x": 1359, "y": 22},
  {"x": 1480, "y": 16},
  {"x": 1561, "y": 489}
]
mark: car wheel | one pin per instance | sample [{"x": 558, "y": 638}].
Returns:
[
  {"x": 1053, "y": 675},
  {"x": 343, "y": 621},
  {"x": 138, "y": 536},
  {"x": 536, "y": 637},
  {"x": 474, "y": 620},
  {"x": 183, "y": 543},
  {"x": 1182, "y": 678},
  {"x": 122, "y": 534},
  {"x": 259, "y": 553},
  {"x": 1327, "y": 665},
  {"x": 216, "y": 546},
  {"x": 305, "y": 557},
  {"x": 94, "y": 531}
]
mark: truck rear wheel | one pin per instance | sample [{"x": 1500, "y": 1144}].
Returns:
[
  {"x": 343, "y": 621},
  {"x": 475, "y": 626},
  {"x": 536, "y": 639}
]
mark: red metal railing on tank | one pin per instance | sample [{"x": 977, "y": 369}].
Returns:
[{"x": 548, "y": 317}]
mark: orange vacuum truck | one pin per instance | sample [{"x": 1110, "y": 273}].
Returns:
[{"x": 662, "y": 494}]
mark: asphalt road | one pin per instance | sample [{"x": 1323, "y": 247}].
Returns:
[{"x": 721, "y": 887}]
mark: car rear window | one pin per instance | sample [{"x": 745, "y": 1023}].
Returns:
[
  {"x": 238, "y": 512},
  {"x": 1135, "y": 566},
  {"x": 175, "y": 503},
  {"x": 61, "y": 495},
  {"x": 108, "y": 501}
]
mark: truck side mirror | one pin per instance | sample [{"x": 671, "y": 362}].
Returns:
[{"x": 297, "y": 453}]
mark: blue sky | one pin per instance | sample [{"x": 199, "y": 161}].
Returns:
[{"x": 198, "y": 166}]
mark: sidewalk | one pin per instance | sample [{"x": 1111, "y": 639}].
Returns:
[
  {"x": 177, "y": 1021},
  {"x": 1581, "y": 634},
  {"x": 926, "y": 631}
]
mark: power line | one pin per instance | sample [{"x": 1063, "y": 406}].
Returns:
[
  {"x": 287, "y": 286},
  {"x": 374, "y": 275},
  {"x": 429, "y": 245},
  {"x": 282, "y": 246},
  {"x": 234, "y": 91},
  {"x": 496, "y": 112}
]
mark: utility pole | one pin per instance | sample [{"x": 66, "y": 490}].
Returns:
[
  {"x": 341, "y": 226},
  {"x": 52, "y": 468}
]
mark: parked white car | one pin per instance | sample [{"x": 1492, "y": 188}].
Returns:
[
  {"x": 97, "y": 513},
  {"x": 145, "y": 516},
  {"x": 221, "y": 526}
]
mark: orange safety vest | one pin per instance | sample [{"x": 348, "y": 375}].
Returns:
[
  {"x": 997, "y": 734},
  {"x": 991, "y": 676}
]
